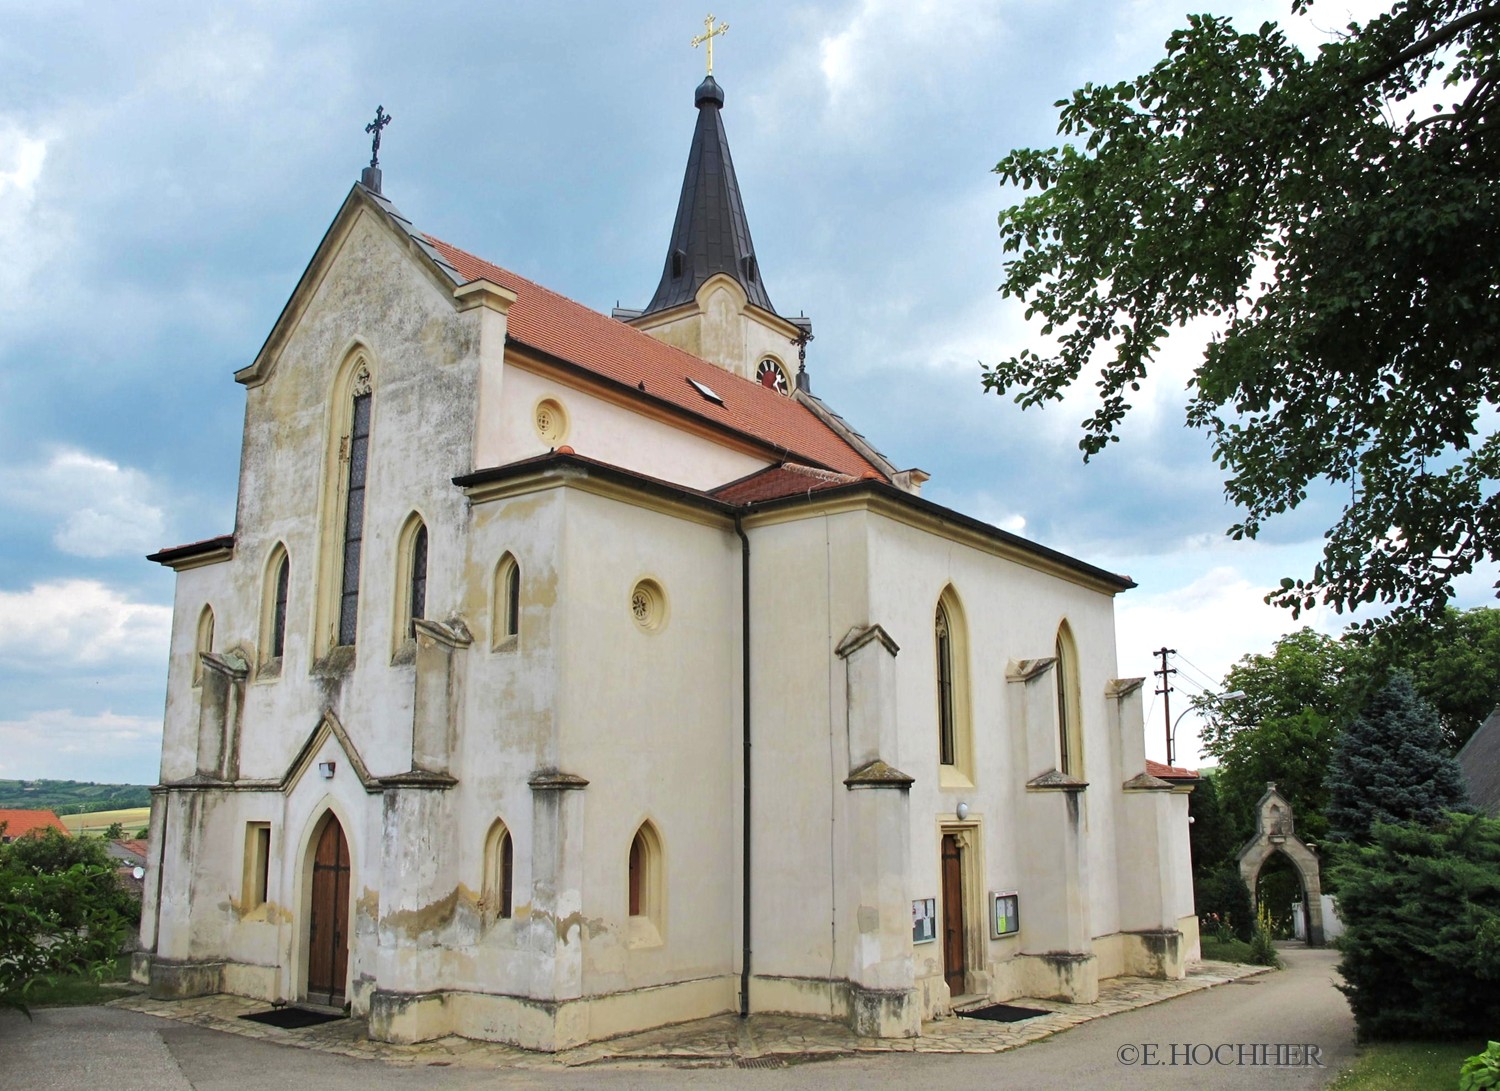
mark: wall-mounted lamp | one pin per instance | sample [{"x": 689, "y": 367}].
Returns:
[
  {"x": 326, "y": 768},
  {"x": 962, "y": 811}
]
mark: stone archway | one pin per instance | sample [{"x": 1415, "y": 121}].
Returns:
[{"x": 1274, "y": 832}]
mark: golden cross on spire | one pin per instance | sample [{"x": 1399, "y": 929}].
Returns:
[{"x": 710, "y": 32}]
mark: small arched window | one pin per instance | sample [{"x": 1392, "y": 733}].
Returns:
[
  {"x": 499, "y": 869},
  {"x": 644, "y": 878},
  {"x": 273, "y": 607},
  {"x": 505, "y": 624},
  {"x": 411, "y": 578},
  {"x": 1069, "y": 725},
  {"x": 203, "y": 643}
]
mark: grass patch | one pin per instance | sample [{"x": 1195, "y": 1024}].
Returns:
[
  {"x": 1406, "y": 1066},
  {"x": 1227, "y": 950},
  {"x": 76, "y": 990}
]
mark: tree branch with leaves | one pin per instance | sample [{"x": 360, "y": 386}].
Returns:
[{"x": 1349, "y": 257}]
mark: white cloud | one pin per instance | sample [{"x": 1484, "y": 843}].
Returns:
[
  {"x": 80, "y": 623},
  {"x": 64, "y": 745},
  {"x": 1212, "y": 622},
  {"x": 886, "y": 49},
  {"x": 102, "y": 509},
  {"x": 30, "y": 234}
]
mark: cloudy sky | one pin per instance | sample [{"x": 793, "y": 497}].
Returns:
[{"x": 167, "y": 169}]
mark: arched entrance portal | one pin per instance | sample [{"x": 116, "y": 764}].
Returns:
[
  {"x": 328, "y": 919},
  {"x": 1274, "y": 833}
]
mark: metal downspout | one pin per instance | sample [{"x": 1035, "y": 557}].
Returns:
[{"x": 745, "y": 735}]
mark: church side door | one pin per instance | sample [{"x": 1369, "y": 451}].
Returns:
[
  {"x": 954, "y": 955},
  {"x": 328, "y": 926}
]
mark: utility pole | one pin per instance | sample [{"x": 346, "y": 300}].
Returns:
[{"x": 1166, "y": 692}]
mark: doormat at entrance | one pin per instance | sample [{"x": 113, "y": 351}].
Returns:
[
  {"x": 290, "y": 1018},
  {"x": 1001, "y": 1013}
]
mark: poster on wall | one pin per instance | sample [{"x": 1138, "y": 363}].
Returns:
[
  {"x": 1005, "y": 913},
  {"x": 924, "y": 920}
]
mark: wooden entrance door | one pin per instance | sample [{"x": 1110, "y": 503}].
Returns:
[
  {"x": 955, "y": 957},
  {"x": 328, "y": 925}
]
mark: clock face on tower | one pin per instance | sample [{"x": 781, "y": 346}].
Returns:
[{"x": 770, "y": 374}]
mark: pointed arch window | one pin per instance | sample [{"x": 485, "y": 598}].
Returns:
[
  {"x": 273, "y": 610},
  {"x": 203, "y": 641},
  {"x": 499, "y": 870},
  {"x": 416, "y": 598},
  {"x": 357, "y": 454},
  {"x": 505, "y": 622},
  {"x": 411, "y": 582},
  {"x": 943, "y": 630},
  {"x": 278, "y": 607},
  {"x": 951, "y": 674},
  {"x": 644, "y": 887},
  {"x": 1069, "y": 724}
]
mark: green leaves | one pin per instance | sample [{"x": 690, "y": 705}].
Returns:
[
  {"x": 1418, "y": 905},
  {"x": 61, "y": 910},
  {"x": 1351, "y": 260}
]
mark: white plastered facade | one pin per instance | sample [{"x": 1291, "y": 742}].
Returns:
[{"x": 589, "y": 724}]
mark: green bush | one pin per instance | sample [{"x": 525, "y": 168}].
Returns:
[
  {"x": 1421, "y": 947},
  {"x": 62, "y": 911},
  {"x": 1481, "y": 1072},
  {"x": 1223, "y": 903}
]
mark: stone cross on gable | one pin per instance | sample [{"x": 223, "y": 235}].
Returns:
[{"x": 710, "y": 32}]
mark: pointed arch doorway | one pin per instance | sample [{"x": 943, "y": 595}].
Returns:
[{"x": 328, "y": 918}]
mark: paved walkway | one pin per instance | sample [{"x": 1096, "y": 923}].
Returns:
[{"x": 761, "y": 1041}]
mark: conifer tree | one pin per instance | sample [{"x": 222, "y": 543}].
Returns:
[{"x": 1392, "y": 766}]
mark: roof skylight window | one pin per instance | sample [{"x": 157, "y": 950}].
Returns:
[{"x": 706, "y": 392}]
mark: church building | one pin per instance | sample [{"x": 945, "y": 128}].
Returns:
[{"x": 567, "y": 674}]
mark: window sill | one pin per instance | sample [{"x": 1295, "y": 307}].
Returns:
[
  {"x": 506, "y": 643},
  {"x": 951, "y": 776},
  {"x": 642, "y": 933},
  {"x": 269, "y": 671}
]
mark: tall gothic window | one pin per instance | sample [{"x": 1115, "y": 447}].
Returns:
[
  {"x": 354, "y": 508},
  {"x": 1069, "y": 726},
  {"x": 417, "y": 595},
  {"x": 278, "y": 615},
  {"x": 947, "y": 740},
  {"x": 955, "y": 732}
]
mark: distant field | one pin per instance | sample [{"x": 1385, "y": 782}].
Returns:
[
  {"x": 72, "y": 796},
  {"x": 96, "y": 822}
]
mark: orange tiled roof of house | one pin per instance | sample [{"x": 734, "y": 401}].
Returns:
[
  {"x": 561, "y": 327},
  {"x": 21, "y": 823}
]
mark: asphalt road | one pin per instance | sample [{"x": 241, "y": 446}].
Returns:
[{"x": 1150, "y": 1049}]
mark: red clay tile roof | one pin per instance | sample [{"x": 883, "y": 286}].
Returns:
[
  {"x": 788, "y": 479},
  {"x": 1169, "y": 772},
  {"x": 21, "y": 823},
  {"x": 560, "y": 327}
]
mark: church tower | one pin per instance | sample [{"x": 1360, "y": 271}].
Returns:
[{"x": 711, "y": 300}]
